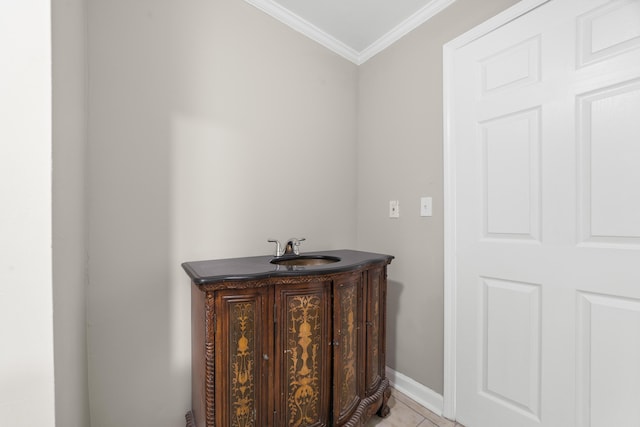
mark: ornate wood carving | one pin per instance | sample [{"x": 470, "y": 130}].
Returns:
[
  {"x": 384, "y": 408},
  {"x": 210, "y": 360},
  {"x": 303, "y": 339},
  {"x": 243, "y": 360},
  {"x": 373, "y": 333},
  {"x": 261, "y": 283},
  {"x": 190, "y": 420},
  {"x": 376, "y": 402},
  {"x": 348, "y": 346}
]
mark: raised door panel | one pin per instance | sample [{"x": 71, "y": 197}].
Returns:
[
  {"x": 242, "y": 353},
  {"x": 511, "y": 176},
  {"x": 347, "y": 346},
  {"x": 608, "y": 142},
  {"x": 608, "y": 31},
  {"x": 302, "y": 360},
  {"x": 375, "y": 328},
  {"x": 608, "y": 380},
  {"x": 509, "y": 334}
]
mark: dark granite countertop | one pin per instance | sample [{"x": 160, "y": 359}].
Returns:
[{"x": 260, "y": 267}]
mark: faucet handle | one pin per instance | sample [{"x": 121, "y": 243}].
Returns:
[
  {"x": 296, "y": 245},
  {"x": 279, "y": 250}
]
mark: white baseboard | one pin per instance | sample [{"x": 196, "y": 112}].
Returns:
[{"x": 414, "y": 390}]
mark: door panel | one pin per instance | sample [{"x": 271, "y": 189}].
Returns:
[
  {"x": 375, "y": 297},
  {"x": 610, "y": 155},
  {"x": 604, "y": 360},
  {"x": 608, "y": 31},
  {"x": 546, "y": 138},
  {"x": 515, "y": 66},
  {"x": 511, "y": 175},
  {"x": 348, "y": 344},
  {"x": 510, "y": 342},
  {"x": 302, "y": 353},
  {"x": 241, "y": 344}
]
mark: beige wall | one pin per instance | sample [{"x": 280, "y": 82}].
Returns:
[
  {"x": 69, "y": 223},
  {"x": 212, "y": 127},
  {"x": 26, "y": 308},
  {"x": 400, "y": 158}
]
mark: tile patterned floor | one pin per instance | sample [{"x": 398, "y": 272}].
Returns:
[{"x": 407, "y": 413}]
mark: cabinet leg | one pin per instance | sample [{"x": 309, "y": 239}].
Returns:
[
  {"x": 190, "y": 420},
  {"x": 384, "y": 410}
]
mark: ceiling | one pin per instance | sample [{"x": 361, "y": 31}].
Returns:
[{"x": 354, "y": 29}]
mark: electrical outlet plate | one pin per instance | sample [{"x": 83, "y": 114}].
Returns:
[
  {"x": 426, "y": 206},
  {"x": 394, "y": 209}
]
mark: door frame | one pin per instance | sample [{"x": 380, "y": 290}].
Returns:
[{"x": 450, "y": 261}]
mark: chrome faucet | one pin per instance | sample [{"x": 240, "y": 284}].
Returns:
[
  {"x": 293, "y": 245},
  {"x": 279, "y": 251},
  {"x": 291, "y": 248}
]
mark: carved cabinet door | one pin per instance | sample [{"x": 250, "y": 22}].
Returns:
[
  {"x": 375, "y": 297},
  {"x": 347, "y": 346},
  {"x": 302, "y": 353},
  {"x": 243, "y": 358}
]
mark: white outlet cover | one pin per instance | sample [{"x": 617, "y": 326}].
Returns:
[
  {"x": 394, "y": 209},
  {"x": 426, "y": 206}
]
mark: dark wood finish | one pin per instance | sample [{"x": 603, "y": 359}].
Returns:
[
  {"x": 303, "y": 360},
  {"x": 376, "y": 335},
  {"x": 347, "y": 346},
  {"x": 242, "y": 353},
  {"x": 374, "y": 323},
  {"x": 190, "y": 421},
  {"x": 198, "y": 362},
  {"x": 290, "y": 350}
]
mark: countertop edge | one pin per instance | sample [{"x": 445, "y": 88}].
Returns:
[{"x": 350, "y": 260}]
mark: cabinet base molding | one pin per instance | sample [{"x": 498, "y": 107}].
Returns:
[{"x": 377, "y": 403}]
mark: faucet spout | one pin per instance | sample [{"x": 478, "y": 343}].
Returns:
[{"x": 293, "y": 246}]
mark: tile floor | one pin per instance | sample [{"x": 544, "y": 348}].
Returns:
[{"x": 407, "y": 413}]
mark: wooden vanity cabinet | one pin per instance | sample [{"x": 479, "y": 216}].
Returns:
[
  {"x": 292, "y": 351},
  {"x": 375, "y": 305}
]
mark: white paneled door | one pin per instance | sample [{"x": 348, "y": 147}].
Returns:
[{"x": 545, "y": 130}]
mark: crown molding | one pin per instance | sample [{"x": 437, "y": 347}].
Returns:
[
  {"x": 405, "y": 27},
  {"x": 314, "y": 33},
  {"x": 305, "y": 27}
]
